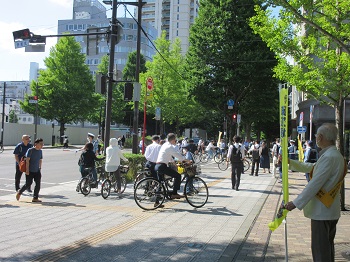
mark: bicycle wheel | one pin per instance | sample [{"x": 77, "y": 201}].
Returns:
[
  {"x": 246, "y": 165},
  {"x": 204, "y": 157},
  {"x": 196, "y": 192},
  {"x": 106, "y": 188},
  {"x": 123, "y": 184},
  {"x": 223, "y": 165},
  {"x": 85, "y": 186},
  {"x": 218, "y": 158},
  {"x": 141, "y": 175},
  {"x": 149, "y": 193}
]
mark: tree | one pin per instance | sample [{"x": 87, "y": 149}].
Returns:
[
  {"x": 171, "y": 89},
  {"x": 226, "y": 60},
  {"x": 13, "y": 118},
  {"x": 65, "y": 89},
  {"x": 316, "y": 35}
]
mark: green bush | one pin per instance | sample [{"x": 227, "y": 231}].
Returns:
[{"x": 136, "y": 162}]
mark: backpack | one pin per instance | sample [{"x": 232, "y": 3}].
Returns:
[
  {"x": 312, "y": 156},
  {"x": 255, "y": 153},
  {"x": 236, "y": 155},
  {"x": 81, "y": 159}
]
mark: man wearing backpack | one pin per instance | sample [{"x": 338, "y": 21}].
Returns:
[
  {"x": 255, "y": 157},
  {"x": 310, "y": 156},
  {"x": 236, "y": 154},
  {"x": 275, "y": 151},
  {"x": 19, "y": 152}
]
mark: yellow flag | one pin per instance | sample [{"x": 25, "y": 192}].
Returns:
[
  {"x": 282, "y": 213},
  {"x": 300, "y": 151}
]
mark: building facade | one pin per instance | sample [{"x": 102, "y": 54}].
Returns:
[
  {"x": 90, "y": 16},
  {"x": 173, "y": 16}
]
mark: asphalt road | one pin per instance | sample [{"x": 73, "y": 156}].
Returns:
[{"x": 59, "y": 167}]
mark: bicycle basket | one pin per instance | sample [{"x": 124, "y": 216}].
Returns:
[{"x": 191, "y": 170}]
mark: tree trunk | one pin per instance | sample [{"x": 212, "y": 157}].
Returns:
[
  {"x": 248, "y": 131},
  {"x": 339, "y": 115},
  {"x": 62, "y": 128}
]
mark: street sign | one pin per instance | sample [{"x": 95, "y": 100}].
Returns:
[
  {"x": 23, "y": 43},
  {"x": 301, "y": 129},
  {"x": 149, "y": 83},
  {"x": 32, "y": 101},
  {"x": 157, "y": 114},
  {"x": 230, "y": 104}
]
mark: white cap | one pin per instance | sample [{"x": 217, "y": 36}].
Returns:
[{"x": 91, "y": 134}]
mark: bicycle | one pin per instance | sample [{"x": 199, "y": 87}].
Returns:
[
  {"x": 87, "y": 181},
  {"x": 150, "y": 193},
  {"x": 111, "y": 181},
  {"x": 223, "y": 164},
  {"x": 141, "y": 175},
  {"x": 219, "y": 155}
]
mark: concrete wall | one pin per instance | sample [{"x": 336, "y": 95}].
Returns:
[{"x": 76, "y": 135}]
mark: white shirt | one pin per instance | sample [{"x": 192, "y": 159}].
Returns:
[
  {"x": 327, "y": 172},
  {"x": 152, "y": 151},
  {"x": 237, "y": 146},
  {"x": 166, "y": 152},
  {"x": 113, "y": 156}
]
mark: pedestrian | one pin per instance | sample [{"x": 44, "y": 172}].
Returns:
[
  {"x": 292, "y": 150},
  {"x": 236, "y": 154},
  {"x": 320, "y": 199},
  {"x": 165, "y": 156},
  {"x": 65, "y": 142},
  {"x": 100, "y": 147},
  {"x": 90, "y": 139},
  {"x": 275, "y": 152},
  {"x": 19, "y": 152},
  {"x": 255, "y": 158},
  {"x": 264, "y": 157},
  {"x": 123, "y": 140},
  {"x": 34, "y": 160},
  {"x": 151, "y": 155},
  {"x": 113, "y": 156},
  {"x": 310, "y": 156}
]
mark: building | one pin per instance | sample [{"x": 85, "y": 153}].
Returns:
[
  {"x": 173, "y": 16},
  {"x": 91, "y": 16}
]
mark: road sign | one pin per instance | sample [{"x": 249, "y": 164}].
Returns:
[
  {"x": 230, "y": 104},
  {"x": 149, "y": 83},
  {"x": 23, "y": 43},
  {"x": 32, "y": 101},
  {"x": 301, "y": 129}
]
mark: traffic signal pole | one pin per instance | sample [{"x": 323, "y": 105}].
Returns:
[{"x": 113, "y": 41}]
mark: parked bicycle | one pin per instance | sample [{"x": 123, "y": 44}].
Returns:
[
  {"x": 150, "y": 193},
  {"x": 111, "y": 182}
]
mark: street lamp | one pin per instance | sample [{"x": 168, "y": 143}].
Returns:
[{"x": 3, "y": 115}]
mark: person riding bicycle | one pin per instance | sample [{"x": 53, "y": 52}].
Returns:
[
  {"x": 151, "y": 155},
  {"x": 113, "y": 156},
  {"x": 166, "y": 154},
  {"x": 87, "y": 160},
  {"x": 210, "y": 149}
]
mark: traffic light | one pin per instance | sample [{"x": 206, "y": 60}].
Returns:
[
  {"x": 128, "y": 91},
  {"x": 21, "y": 34},
  {"x": 234, "y": 118}
]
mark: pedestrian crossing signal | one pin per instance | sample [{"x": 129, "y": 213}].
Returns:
[{"x": 234, "y": 118}]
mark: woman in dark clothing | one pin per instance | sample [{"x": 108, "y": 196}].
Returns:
[
  {"x": 264, "y": 157},
  {"x": 87, "y": 159}
]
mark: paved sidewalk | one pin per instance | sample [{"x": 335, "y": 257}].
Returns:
[{"x": 232, "y": 226}]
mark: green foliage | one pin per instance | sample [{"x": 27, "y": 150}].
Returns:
[
  {"x": 129, "y": 71},
  {"x": 13, "y": 118},
  {"x": 317, "y": 40},
  {"x": 171, "y": 90},
  {"x": 226, "y": 60},
  {"x": 136, "y": 162},
  {"x": 65, "y": 89}
]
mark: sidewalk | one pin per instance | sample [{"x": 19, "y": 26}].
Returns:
[
  {"x": 232, "y": 226},
  {"x": 263, "y": 245}
]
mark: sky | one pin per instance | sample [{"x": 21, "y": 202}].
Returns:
[{"x": 41, "y": 17}]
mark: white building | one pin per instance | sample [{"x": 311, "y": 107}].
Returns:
[{"x": 173, "y": 16}]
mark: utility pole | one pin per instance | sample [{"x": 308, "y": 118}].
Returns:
[
  {"x": 137, "y": 79},
  {"x": 113, "y": 41},
  {"x": 3, "y": 114},
  {"x": 36, "y": 113}
]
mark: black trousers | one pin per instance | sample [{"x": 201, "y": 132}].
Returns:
[
  {"x": 36, "y": 176},
  {"x": 236, "y": 174},
  {"x": 164, "y": 169},
  {"x": 255, "y": 163},
  {"x": 322, "y": 240},
  {"x": 151, "y": 166},
  {"x": 18, "y": 177}
]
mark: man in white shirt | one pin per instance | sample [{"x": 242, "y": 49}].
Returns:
[
  {"x": 151, "y": 155},
  {"x": 275, "y": 152},
  {"x": 327, "y": 172},
  {"x": 166, "y": 154}
]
